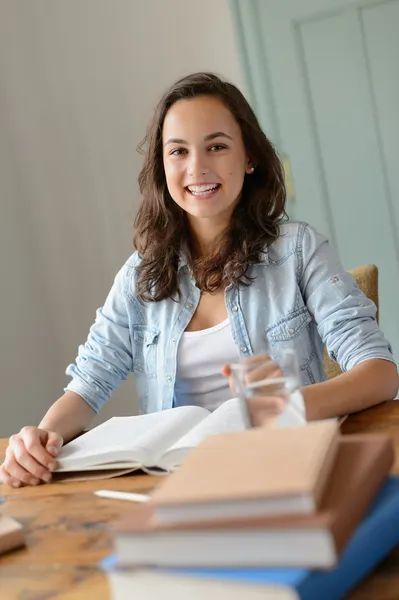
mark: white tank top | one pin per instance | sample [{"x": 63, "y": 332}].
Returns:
[{"x": 201, "y": 355}]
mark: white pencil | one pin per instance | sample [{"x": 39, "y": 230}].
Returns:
[{"x": 122, "y": 495}]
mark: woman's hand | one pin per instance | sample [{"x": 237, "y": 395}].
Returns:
[
  {"x": 30, "y": 457},
  {"x": 266, "y": 397}
]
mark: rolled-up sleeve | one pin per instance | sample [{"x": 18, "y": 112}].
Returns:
[
  {"x": 345, "y": 317},
  {"x": 106, "y": 357}
]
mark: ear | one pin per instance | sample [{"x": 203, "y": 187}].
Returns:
[{"x": 249, "y": 169}]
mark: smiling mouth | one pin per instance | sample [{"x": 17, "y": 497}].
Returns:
[{"x": 203, "y": 190}]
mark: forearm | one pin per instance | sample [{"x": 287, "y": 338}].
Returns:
[
  {"x": 68, "y": 416},
  {"x": 371, "y": 382}
]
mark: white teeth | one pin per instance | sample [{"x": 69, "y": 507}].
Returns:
[{"x": 202, "y": 189}]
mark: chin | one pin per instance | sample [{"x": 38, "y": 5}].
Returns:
[
  {"x": 207, "y": 214},
  {"x": 209, "y": 211}
]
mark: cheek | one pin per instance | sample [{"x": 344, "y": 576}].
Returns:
[
  {"x": 172, "y": 174},
  {"x": 236, "y": 179},
  {"x": 174, "y": 183},
  {"x": 235, "y": 171}
]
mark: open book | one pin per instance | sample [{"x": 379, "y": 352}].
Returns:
[{"x": 155, "y": 442}]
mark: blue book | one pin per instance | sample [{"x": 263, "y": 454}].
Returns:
[{"x": 377, "y": 535}]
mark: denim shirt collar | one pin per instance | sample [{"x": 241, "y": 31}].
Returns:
[{"x": 184, "y": 257}]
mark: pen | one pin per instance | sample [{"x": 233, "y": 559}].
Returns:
[{"x": 122, "y": 495}]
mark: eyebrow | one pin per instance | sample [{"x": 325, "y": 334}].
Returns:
[{"x": 207, "y": 138}]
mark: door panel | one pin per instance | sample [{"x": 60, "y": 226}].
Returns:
[
  {"x": 348, "y": 138},
  {"x": 381, "y": 32},
  {"x": 332, "y": 72}
]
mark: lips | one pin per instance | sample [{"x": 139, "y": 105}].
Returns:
[{"x": 203, "y": 190}]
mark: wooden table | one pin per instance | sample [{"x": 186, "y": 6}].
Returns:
[{"x": 67, "y": 535}]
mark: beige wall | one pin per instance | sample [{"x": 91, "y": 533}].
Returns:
[{"x": 78, "y": 82}]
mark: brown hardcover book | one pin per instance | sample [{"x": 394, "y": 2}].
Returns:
[
  {"x": 314, "y": 541},
  {"x": 259, "y": 472},
  {"x": 11, "y": 534}
]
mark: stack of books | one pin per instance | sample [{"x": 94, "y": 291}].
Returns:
[{"x": 300, "y": 513}]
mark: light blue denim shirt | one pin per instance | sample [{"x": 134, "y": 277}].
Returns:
[{"x": 301, "y": 296}]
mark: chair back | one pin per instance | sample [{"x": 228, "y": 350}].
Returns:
[{"x": 367, "y": 279}]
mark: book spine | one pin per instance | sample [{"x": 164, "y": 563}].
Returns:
[
  {"x": 326, "y": 470},
  {"x": 369, "y": 546},
  {"x": 353, "y": 513}
]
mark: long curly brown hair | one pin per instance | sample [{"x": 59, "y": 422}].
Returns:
[{"x": 161, "y": 225}]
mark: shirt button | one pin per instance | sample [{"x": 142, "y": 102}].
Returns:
[
  {"x": 244, "y": 349},
  {"x": 234, "y": 308},
  {"x": 291, "y": 331},
  {"x": 168, "y": 378},
  {"x": 189, "y": 306},
  {"x": 174, "y": 340}
]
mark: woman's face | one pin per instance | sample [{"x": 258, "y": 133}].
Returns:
[{"x": 204, "y": 158}]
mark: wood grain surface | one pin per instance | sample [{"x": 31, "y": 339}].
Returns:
[{"x": 66, "y": 530}]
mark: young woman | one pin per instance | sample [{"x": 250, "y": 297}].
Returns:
[{"x": 218, "y": 274}]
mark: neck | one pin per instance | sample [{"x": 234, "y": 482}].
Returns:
[{"x": 204, "y": 233}]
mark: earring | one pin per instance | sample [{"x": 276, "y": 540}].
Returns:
[{"x": 252, "y": 169}]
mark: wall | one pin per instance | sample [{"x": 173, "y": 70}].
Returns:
[{"x": 78, "y": 81}]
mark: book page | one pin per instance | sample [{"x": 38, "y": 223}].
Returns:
[
  {"x": 130, "y": 441},
  {"x": 227, "y": 418}
]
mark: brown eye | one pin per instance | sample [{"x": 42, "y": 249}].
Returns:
[
  {"x": 178, "y": 151},
  {"x": 217, "y": 147}
]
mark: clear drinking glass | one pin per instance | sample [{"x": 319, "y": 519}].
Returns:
[{"x": 258, "y": 381}]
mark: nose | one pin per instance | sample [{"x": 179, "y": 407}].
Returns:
[{"x": 197, "y": 165}]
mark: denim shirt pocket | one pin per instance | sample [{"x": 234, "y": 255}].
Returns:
[
  {"x": 145, "y": 340},
  {"x": 289, "y": 327},
  {"x": 292, "y": 331}
]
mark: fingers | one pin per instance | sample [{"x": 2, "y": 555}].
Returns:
[
  {"x": 33, "y": 440},
  {"x": 27, "y": 461},
  {"x": 265, "y": 371},
  {"x": 7, "y": 479},
  {"x": 54, "y": 443},
  {"x": 261, "y": 359},
  {"x": 263, "y": 410},
  {"x": 263, "y": 384},
  {"x": 16, "y": 474},
  {"x": 266, "y": 394},
  {"x": 226, "y": 371},
  {"x": 21, "y": 465}
]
